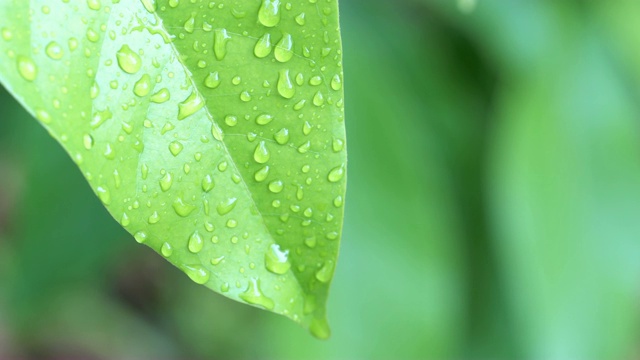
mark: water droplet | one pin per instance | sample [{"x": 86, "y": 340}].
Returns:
[
  {"x": 254, "y": 295},
  {"x": 276, "y": 186},
  {"x": 304, "y": 148},
  {"x": 282, "y": 136},
  {"x": 27, "y": 68},
  {"x": 94, "y": 4},
  {"x": 128, "y": 60},
  {"x": 276, "y": 260},
  {"x": 318, "y": 99},
  {"x": 43, "y": 116},
  {"x": 212, "y": 80},
  {"x": 220, "y": 40},
  {"x": 337, "y": 145},
  {"x": 325, "y": 274},
  {"x": 196, "y": 273},
  {"x": 311, "y": 242},
  {"x": 285, "y": 86},
  {"x": 263, "y": 46},
  {"x": 261, "y": 155},
  {"x": 315, "y": 81},
  {"x": 300, "y": 19},
  {"x": 7, "y": 35},
  {"x": 190, "y": 24},
  {"x": 231, "y": 120},
  {"x": 154, "y": 218},
  {"x": 284, "y": 48},
  {"x": 245, "y": 96},
  {"x": 264, "y": 119},
  {"x": 166, "y": 250},
  {"x": 196, "y": 243},
  {"x": 124, "y": 220},
  {"x": 142, "y": 86},
  {"x": 299, "y": 105},
  {"x": 269, "y": 13},
  {"x": 337, "y": 202},
  {"x": 306, "y": 128},
  {"x": 99, "y": 117},
  {"x": 150, "y": 5},
  {"x": 161, "y": 96},
  {"x": 207, "y": 183},
  {"x": 166, "y": 182},
  {"x": 189, "y": 106},
  {"x": 336, "y": 82},
  {"x": 181, "y": 208},
  {"x": 104, "y": 195},
  {"x": 140, "y": 237},
  {"x": 216, "y": 261},
  {"x": 320, "y": 328},
  {"x": 336, "y": 174},
  {"x": 226, "y": 206},
  {"x": 261, "y": 174},
  {"x": 54, "y": 51},
  {"x": 175, "y": 147}
]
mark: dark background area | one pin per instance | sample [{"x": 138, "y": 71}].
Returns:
[{"x": 493, "y": 205}]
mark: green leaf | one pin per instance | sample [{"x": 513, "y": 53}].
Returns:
[{"x": 212, "y": 131}]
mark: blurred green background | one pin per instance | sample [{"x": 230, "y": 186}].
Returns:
[{"x": 493, "y": 208}]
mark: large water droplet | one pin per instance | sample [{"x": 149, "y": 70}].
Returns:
[
  {"x": 254, "y": 295},
  {"x": 140, "y": 237},
  {"x": 27, "y": 68},
  {"x": 261, "y": 155},
  {"x": 190, "y": 24},
  {"x": 276, "y": 260},
  {"x": 263, "y": 46},
  {"x": 166, "y": 250},
  {"x": 175, "y": 147},
  {"x": 269, "y": 13},
  {"x": 196, "y": 243},
  {"x": 166, "y": 182},
  {"x": 161, "y": 96},
  {"x": 285, "y": 86},
  {"x": 207, "y": 183},
  {"x": 99, "y": 117},
  {"x": 336, "y": 82},
  {"x": 128, "y": 60},
  {"x": 220, "y": 40},
  {"x": 264, "y": 119},
  {"x": 276, "y": 186},
  {"x": 189, "y": 106},
  {"x": 284, "y": 48},
  {"x": 282, "y": 136},
  {"x": 261, "y": 174},
  {"x": 212, "y": 80}
]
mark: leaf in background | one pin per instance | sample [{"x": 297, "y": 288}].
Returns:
[{"x": 213, "y": 132}]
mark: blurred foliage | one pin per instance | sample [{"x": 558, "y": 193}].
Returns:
[{"x": 493, "y": 206}]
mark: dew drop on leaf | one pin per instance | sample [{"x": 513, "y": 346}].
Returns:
[
  {"x": 128, "y": 60},
  {"x": 254, "y": 295},
  {"x": 269, "y": 13}
]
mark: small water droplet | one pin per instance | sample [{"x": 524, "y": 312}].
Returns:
[
  {"x": 166, "y": 250},
  {"x": 196, "y": 273},
  {"x": 104, "y": 195},
  {"x": 285, "y": 86},
  {"x": 143, "y": 86},
  {"x": 300, "y": 19},
  {"x": 264, "y": 119},
  {"x": 276, "y": 260},
  {"x": 254, "y": 295},
  {"x": 212, "y": 80},
  {"x": 263, "y": 46},
  {"x": 181, "y": 208},
  {"x": 261, "y": 154},
  {"x": 166, "y": 182},
  {"x": 140, "y": 237},
  {"x": 154, "y": 218},
  {"x": 284, "y": 48},
  {"x": 336, "y": 174},
  {"x": 261, "y": 174},
  {"x": 304, "y": 148},
  {"x": 27, "y": 68},
  {"x": 207, "y": 183},
  {"x": 190, "y": 24},
  {"x": 325, "y": 274},
  {"x": 128, "y": 60},
  {"x": 216, "y": 261},
  {"x": 269, "y": 13},
  {"x": 196, "y": 243},
  {"x": 149, "y": 5},
  {"x": 54, "y": 51},
  {"x": 282, "y": 136},
  {"x": 276, "y": 186},
  {"x": 336, "y": 82},
  {"x": 161, "y": 96},
  {"x": 318, "y": 99},
  {"x": 175, "y": 147},
  {"x": 226, "y": 206},
  {"x": 220, "y": 40}
]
